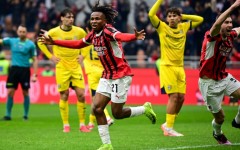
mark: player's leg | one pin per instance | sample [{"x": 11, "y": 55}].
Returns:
[
  {"x": 81, "y": 109},
  {"x": 11, "y": 85},
  {"x": 170, "y": 84},
  {"x": 99, "y": 103},
  {"x": 62, "y": 79},
  {"x": 213, "y": 93},
  {"x": 9, "y": 104},
  {"x": 119, "y": 90},
  {"x": 236, "y": 120},
  {"x": 78, "y": 84},
  {"x": 64, "y": 110},
  {"x": 24, "y": 78},
  {"x": 26, "y": 103},
  {"x": 93, "y": 80}
]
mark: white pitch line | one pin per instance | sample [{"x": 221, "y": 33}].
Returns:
[{"x": 201, "y": 146}]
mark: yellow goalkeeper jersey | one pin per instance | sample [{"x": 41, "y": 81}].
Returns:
[
  {"x": 91, "y": 61},
  {"x": 68, "y": 57}
]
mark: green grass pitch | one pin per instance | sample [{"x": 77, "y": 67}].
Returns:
[{"x": 43, "y": 131}]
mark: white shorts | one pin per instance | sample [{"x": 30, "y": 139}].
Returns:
[
  {"x": 116, "y": 89},
  {"x": 214, "y": 91}
]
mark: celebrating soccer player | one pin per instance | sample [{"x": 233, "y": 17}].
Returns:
[
  {"x": 68, "y": 70},
  {"x": 117, "y": 75},
  {"x": 214, "y": 81}
]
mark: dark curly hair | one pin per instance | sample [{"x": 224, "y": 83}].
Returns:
[
  {"x": 107, "y": 10},
  {"x": 174, "y": 10}
]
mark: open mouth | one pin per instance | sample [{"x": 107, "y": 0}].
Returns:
[{"x": 94, "y": 26}]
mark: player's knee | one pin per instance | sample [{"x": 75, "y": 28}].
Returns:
[
  {"x": 81, "y": 98},
  {"x": 97, "y": 110},
  {"x": 64, "y": 94},
  {"x": 181, "y": 98}
]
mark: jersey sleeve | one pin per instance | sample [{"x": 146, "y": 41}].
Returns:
[
  {"x": 6, "y": 41},
  {"x": 234, "y": 34},
  {"x": 33, "y": 49},
  {"x": 210, "y": 38},
  {"x": 111, "y": 32},
  {"x": 88, "y": 38}
]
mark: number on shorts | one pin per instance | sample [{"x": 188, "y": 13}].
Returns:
[
  {"x": 232, "y": 79},
  {"x": 115, "y": 88}
]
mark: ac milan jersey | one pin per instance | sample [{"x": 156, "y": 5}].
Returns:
[
  {"x": 110, "y": 52},
  {"x": 215, "y": 51}
]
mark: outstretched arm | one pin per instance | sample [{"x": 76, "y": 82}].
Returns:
[
  {"x": 196, "y": 20},
  {"x": 152, "y": 14},
  {"x": 127, "y": 37},
  {"x": 46, "y": 39},
  {"x": 76, "y": 44},
  {"x": 215, "y": 29}
]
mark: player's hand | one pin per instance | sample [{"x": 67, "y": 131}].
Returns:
[
  {"x": 140, "y": 35},
  {"x": 34, "y": 78},
  {"x": 45, "y": 38},
  {"x": 55, "y": 59},
  {"x": 80, "y": 59}
]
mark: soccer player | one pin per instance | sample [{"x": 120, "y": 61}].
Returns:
[
  {"x": 116, "y": 77},
  {"x": 214, "y": 81},
  {"x": 93, "y": 70},
  {"x": 22, "y": 49},
  {"x": 172, "y": 36},
  {"x": 67, "y": 68}
]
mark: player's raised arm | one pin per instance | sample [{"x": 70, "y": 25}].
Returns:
[
  {"x": 217, "y": 25},
  {"x": 152, "y": 14},
  {"x": 196, "y": 20},
  {"x": 128, "y": 37}
]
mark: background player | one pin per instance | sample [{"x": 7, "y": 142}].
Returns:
[
  {"x": 172, "y": 36},
  {"x": 67, "y": 68}
]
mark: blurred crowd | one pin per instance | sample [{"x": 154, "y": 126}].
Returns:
[{"x": 45, "y": 14}]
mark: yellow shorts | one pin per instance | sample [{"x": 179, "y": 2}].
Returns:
[
  {"x": 93, "y": 79},
  {"x": 65, "y": 76},
  {"x": 172, "y": 79}
]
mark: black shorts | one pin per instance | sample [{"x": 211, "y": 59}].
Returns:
[{"x": 18, "y": 75}]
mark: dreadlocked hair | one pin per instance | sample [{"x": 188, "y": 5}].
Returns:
[{"x": 107, "y": 10}]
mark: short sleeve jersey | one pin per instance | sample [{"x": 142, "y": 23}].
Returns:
[
  {"x": 214, "y": 55},
  {"x": 21, "y": 51},
  {"x": 68, "y": 57},
  {"x": 173, "y": 43}
]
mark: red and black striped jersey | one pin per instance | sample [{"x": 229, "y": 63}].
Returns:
[
  {"x": 110, "y": 51},
  {"x": 215, "y": 51}
]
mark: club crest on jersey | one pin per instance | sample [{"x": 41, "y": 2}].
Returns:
[
  {"x": 100, "y": 50},
  {"x": 225, "y": 48}
]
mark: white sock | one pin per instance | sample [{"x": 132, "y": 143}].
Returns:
[
  {"x": 81, "y": 124},
  {"x": 136, "y": 111},
  {"x": 216, "y": 127},
  {"x": 104, "y": 134},
  {"x": 237, "y": 118}
]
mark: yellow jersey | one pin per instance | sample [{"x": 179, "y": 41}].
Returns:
[
  {"x": 172, "y": 43},
  {"x": 68, "y": 57},
  {"x": 91, "y": 61}
]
